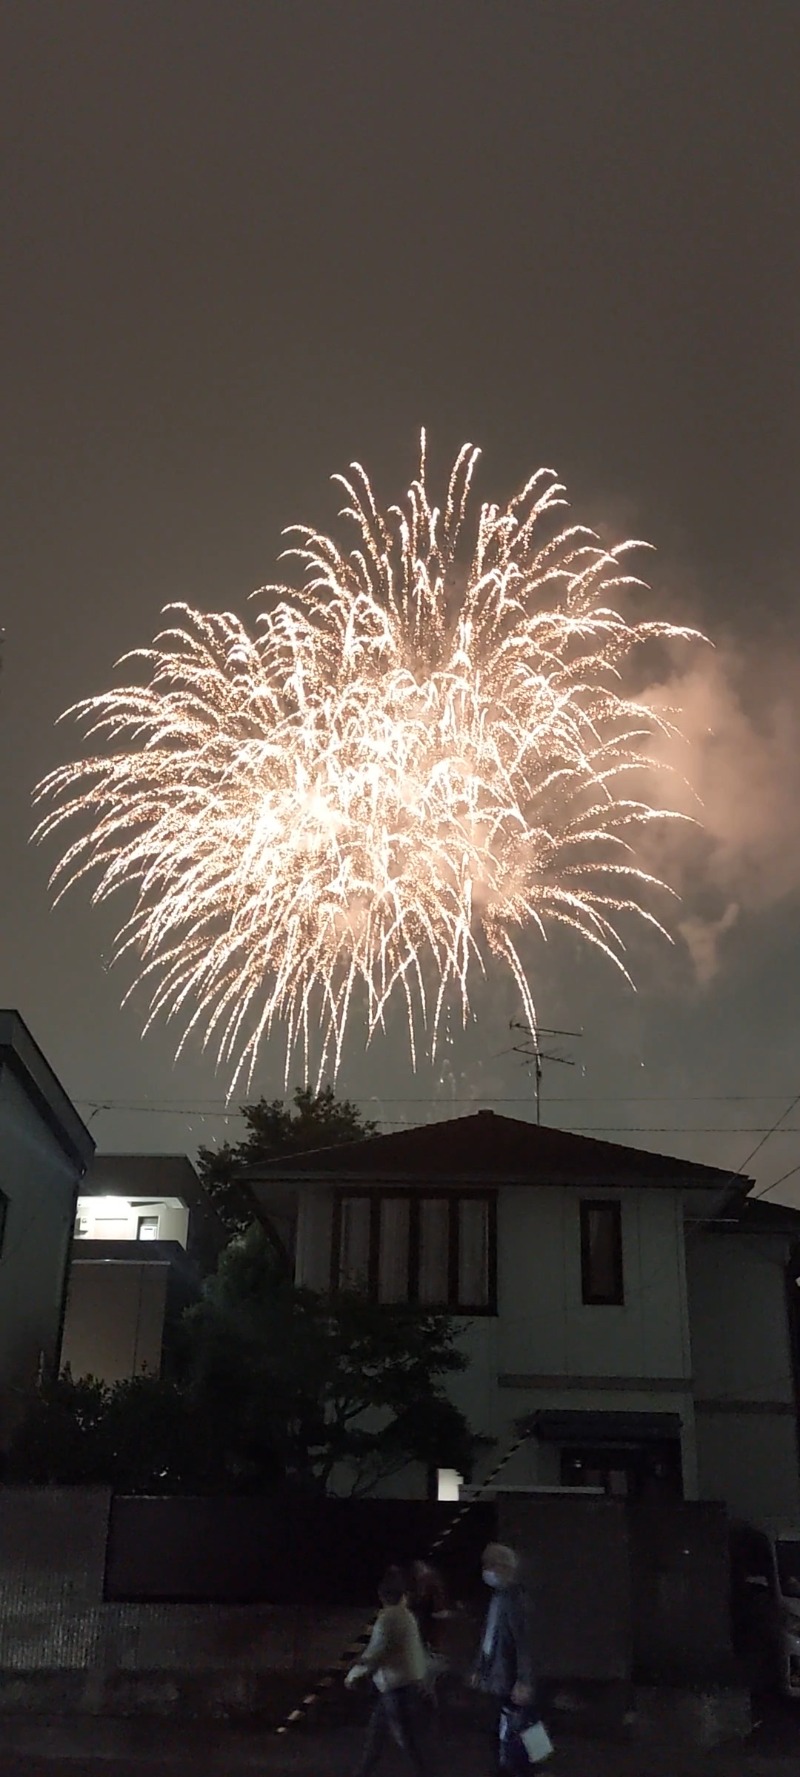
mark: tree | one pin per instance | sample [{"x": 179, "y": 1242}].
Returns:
[
  {"x": 140, "y": 1436},
  {"x": 319, "y": 1120},
  {"x": 328, "y": 1385},
  {"x": 277, "y": 1387}
]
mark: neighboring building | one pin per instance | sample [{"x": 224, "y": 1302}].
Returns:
[
  {"x": 44, "y": 1152},
  {"x": 567, "y": 1258},
  {"x": 145, "y": 1235},
  {"x": 744, "y": 1305}
]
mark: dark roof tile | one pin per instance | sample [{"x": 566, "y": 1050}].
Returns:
[{"x": 497, "y": 1149}]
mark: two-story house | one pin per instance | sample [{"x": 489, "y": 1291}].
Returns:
[
  {"x": 568, "y": 1261},
  {"x": 44, "y": 1152},
  {"x": 145, "y": 1234}
]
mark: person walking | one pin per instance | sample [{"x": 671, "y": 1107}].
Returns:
[
  {"x": 428, "y": 1601},
  {"x": 505, "y": 1663},
  {"x": 395, "y": 1660}
]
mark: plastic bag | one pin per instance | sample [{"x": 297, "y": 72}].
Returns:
[
  {"x": 537, "y": 1742},
  {"x": 524, "y": 1740}
]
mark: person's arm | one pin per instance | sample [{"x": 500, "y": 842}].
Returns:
[
  {"x": 374, "y": 1653},
  {"x": 377, "y": 1647}
]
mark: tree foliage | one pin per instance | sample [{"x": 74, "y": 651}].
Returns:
[
  {"x": 340, "y": 1387},
  {"x": 318, "y": 1120},
  {"x": 277, "y": 1387}
]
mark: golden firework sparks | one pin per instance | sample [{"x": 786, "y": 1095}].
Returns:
[{"x": 420, "y": 754}]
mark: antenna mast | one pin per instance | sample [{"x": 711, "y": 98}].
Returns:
[{"x": 531, "y": 1050}]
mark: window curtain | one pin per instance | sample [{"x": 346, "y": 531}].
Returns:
[
  {"x": 434, "y": 1251},
  {"x": 473, "y": 1253},
  {"x": 354, "y": 1243},
  {"x": 393, "y": 1255}
]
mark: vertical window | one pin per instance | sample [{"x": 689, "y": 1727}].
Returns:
[
  {"x": 393, "y": 1252},
  {"x": 433, "y": 1277},
  {"x": 408, "y": 1246},
  {"x": 354, "y": 1243},
  {"x": 3, "y": 1217},
  {"x": 473, "y": 1251},
  {"x": 602, "y": 1283}
]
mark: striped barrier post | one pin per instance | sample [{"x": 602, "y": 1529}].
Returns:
[{"x": 349, "y": 1654}]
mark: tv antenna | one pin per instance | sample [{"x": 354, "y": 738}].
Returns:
[{"x": 531, "y": 1050}]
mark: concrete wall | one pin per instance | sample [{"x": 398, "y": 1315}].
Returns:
[
  {"x": 576, "y": 1562},
  {"x": 744, "y": 1388},
  {"x": 63, "y": 1648},
  {"x": 114, "y": 1324},
  {"x": 39, "y": 1182}
]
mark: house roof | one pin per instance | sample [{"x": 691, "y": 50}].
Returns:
[
  {"x": 492, "y": 1149},
  {"x": 24, "y": 1058},
  {"x": 770, "y": 1218}
]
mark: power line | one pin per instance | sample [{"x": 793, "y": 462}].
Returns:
[{"x": 208, "y": 1104}]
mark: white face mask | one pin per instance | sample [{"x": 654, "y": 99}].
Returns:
[{"x": 490, "y": 1578}]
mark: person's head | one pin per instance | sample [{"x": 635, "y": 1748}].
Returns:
[
  {"x": 500, "y": 1565},
  {"x": 392, "y": 1589}
]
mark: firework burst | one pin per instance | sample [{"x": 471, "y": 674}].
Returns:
[{"x": 417, "y": 756}]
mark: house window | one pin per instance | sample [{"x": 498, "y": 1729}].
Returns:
[
  {"x": 3, "y": 1218},
  {"x": 394, "y": 1249},
  {"x": 402, "y": 1246},
  {"x": 433, "y": 1265},
  {"x": 353, "y": 1254},
  {"x": 602, "y": 1283}
]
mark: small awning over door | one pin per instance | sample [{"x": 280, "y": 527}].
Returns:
[{"x": 620, "y": 1430}]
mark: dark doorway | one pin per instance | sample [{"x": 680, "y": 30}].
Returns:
[{"x": 646, "y": 1472}]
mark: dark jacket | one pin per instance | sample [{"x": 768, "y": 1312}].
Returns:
[{"x": 506, "y": 1655}]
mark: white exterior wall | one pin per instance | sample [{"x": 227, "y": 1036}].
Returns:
[
  {"x": 743, "y": 1375},
  {"x": 39, "y": 1181},
  {"x": 548, "y": 1351},
  {"x": 114, "y": 1326},
  {"x": 545, "y": 1328},
  {"x": 117, "y": 1218}
]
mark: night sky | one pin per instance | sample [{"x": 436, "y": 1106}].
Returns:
[{"x": 244, "y": 243}]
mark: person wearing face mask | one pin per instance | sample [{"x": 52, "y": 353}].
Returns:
[{"x": 505, "y": 1662}]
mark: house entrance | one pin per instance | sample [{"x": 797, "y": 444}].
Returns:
[{"x": 651, "y": 1472}]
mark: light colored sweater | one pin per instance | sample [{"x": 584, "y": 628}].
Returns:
[{"x": 394, "y": 1655}]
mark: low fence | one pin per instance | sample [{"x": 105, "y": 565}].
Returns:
[
  {"x": 324, "y": 1552},
  {"x": 244, "y": 1590}
]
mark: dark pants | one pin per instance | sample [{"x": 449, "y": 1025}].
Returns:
[{"x": 395, "y": 1716}]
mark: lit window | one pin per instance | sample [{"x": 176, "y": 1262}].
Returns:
[{"x": 602, "y": 1283}]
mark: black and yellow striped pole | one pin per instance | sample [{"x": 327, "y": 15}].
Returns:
[{"x": 349, "y": 1655}]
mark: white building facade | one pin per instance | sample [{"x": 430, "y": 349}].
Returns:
[
  {"x": 144, "y": 1235},
  {"x": 570, "y": 1262}
]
